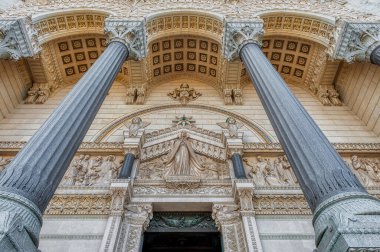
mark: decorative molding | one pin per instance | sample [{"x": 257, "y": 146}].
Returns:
[
  {"x": 79, "y": 204},
  {"x": 281, "y": 205},
  {"x": 296, "y": 25},
  {"x": 130, "y": 33},
  {"x": 17, "y": 39},
  {"x": 69, "y": 24},
  {"x": 238, "y": 34}
]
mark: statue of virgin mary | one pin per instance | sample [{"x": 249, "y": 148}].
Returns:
[{"x": 181, "y": 160}]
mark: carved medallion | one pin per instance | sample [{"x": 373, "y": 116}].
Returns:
[{"x": 184, "y": 94}]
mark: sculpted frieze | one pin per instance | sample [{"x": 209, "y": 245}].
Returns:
[
  {"x": 366, "y": 169},
  {"x": 204, "y": 190},
  {"x": 86, "y": 170}
]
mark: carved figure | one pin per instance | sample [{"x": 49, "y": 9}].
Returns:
[
  {"x": 135, "y": 125},
  {"x": 324, "y": 98},
  {"x": 184, "y": 94},
  {"x": 238, "y": 96},
  {"x": 228, "y": 96},
  {"x": 81, "y": 169},
  {"x": 231, "y": 125},
  {"x": 94, "y": 170},
  {"x": 270, "y": 176},
  {"x": 368, "y": 170},
  {"x": 32, "y": 96},
  {"x": 140, "y": 96},
  {"x": 334, "y": 97},
  {"x": 181, "y": 160},
  {"x": 111, "y": 168},
  {"x": 256, "y": 172},
  {"x": 4, "y": 162},
  {"x": 43, "y": 95},
  {"x": 284, "y": 170},
  {"x": 131, "y": 94}
]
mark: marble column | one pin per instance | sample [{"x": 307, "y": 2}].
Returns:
[
  {"x": 237, "y": 163},
  {"x": 336, "y": 197},
  {"x": 136, "y": 221},
  {"x": 228, "y": 220},
  {"x": 126, "y": 170},
  {"x": 243, "y": 193},
  {"x": 30, "y": 180}
]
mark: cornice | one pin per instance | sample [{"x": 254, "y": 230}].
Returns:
[{"x": 117, "y": 147}]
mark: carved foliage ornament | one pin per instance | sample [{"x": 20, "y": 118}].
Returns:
[
  {"x": 17, "y": 39},
  {"x": 130, "y": 33},
  {"x": 184, "y": 94},
  {"x": 355, "y": 41},
  {"x": 238, "y": 34}
]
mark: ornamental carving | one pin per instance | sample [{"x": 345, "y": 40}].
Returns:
[
  {"x": 86, "y": 170},
  {"x": 130, "y": 33},
  {"x": 237, "y": 34},
  {"x": 134, "y": 126},
  {"x": 79, "y": 204},
  {"x": 271, "y": 171},
  {"x": 184, "y": 94},
  {"x": 4, "y": 161},
  {"x": 366, "y": 169},
  {"x": 231, "y": 125}
]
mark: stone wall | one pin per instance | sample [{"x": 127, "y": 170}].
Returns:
[{"x": 337, "y": 122}]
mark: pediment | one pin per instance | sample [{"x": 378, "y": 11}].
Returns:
[{"x": 204, "y": 142}]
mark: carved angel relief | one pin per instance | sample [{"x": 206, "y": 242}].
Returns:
[
  {"x": 231, "y": 125},
  {"x": 135, "y": 125},
  {"x": 184, "y": 94}
]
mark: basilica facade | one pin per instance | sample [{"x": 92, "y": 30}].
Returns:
[{"x": 189, "y": 125}]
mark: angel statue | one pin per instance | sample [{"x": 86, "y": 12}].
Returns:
[
  {"x": 231, "y": 125},
  {"x": 134, "y": 126},
  {"x": 181, "y": 160}
]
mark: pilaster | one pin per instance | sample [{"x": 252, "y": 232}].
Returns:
[
  {"x": 136, "y": 221},
  {"x": 121, "y": 194},
  {"x": 228, "y": 220},
  {"x": 243, "y": 193},
  {"x": 356, "y": 41}
]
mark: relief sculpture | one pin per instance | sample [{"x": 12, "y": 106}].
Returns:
[
  {"x": 178, "y": 158},
  {"x": 367, "y": 170},
  {"x": 267, "y": 173},
  {"x": 86, "y": 170}
]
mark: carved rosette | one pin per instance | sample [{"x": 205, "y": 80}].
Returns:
[
  {"x": 17, "y": 39},
  {"x": 238, "y": 34},
  {"x": 130, "y": 33},
  {"x": 355, "y": 41}
]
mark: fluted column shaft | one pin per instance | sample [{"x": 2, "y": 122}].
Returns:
[
  {"x": 38, "y": 168},
  {"x": 375, "y": 56},
  {"x": 237, "y": 163},
  {"x": 320, "y": 170},
  {"x": 126, "y": 170}
]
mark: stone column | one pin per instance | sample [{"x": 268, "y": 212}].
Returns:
[
  {"x": 126, "y": 170},
  {"x": 121, "y": 193},
  {"x": 136, "y": 221},
  {"x": 30, "y": 180},
  {"x": 228, "y": 220},
  {"x": 234, "y": 142},
  {"x": 339, "y": 202},
  {"x": 243, "y": 193},
  {"x": 375, "y": 56}
]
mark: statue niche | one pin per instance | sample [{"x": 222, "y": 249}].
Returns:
[{"x": 182, "y": 161}]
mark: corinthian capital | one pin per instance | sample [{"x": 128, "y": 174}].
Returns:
[
  {"x": 238, "y": 34},
  {"x": 130, "y": 33},
  {"x": 355, "y": 41},
  {"x": 17, "y": 39}
]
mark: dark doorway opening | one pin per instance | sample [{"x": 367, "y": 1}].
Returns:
[{"x": 182, "y": 242}]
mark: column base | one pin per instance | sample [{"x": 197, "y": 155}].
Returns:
[
  {"x": 348, "y": 222},
  {"x": 20, "y": 223}
]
